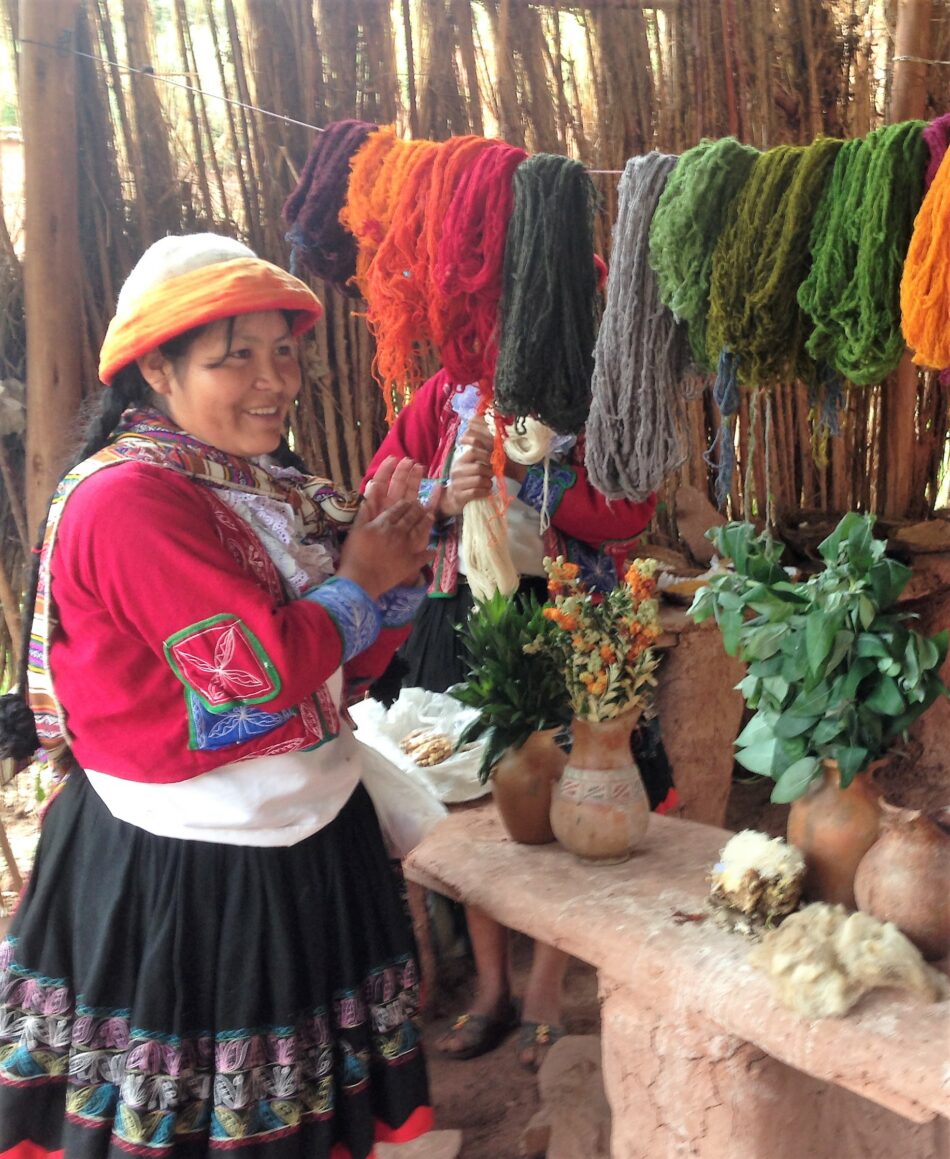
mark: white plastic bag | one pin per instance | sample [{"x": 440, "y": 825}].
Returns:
[
  {"x": 453, "y": 780},
  {"x": 406, "y": 809}
]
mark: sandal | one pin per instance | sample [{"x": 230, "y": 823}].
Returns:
[
  {"x": 535, "y": 1039},
  {"x": 476, "y": 1034}
]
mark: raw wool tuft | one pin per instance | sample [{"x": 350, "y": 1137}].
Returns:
[
  {"x": 467, "y": 273},
  {"x": 822, "y": 960},
  {"x": 858, "y": 243},
  {"x": 546, "y": 347},
  {"x": 925, "y": 285},
  {"x": 636, "y": 432},
  {"x": 693, "y": 210},
  {"x": 319, "y": 241}
]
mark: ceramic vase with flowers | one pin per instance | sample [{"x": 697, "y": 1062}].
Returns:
[
  {"x": 522, "y": 705},
  {"x": 836, "y": 673},
  {"x": 603, "y": 644}
]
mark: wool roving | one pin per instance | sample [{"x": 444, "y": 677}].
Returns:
[
  {"x": 859, "y": 241},
  {"x": 467, "y": 273},
  {"x": 925, "y": 284},
  {"x": 546, "y": 345},
  {"x": 636, "y": 432},
  {"x": 312, "y": 212},
  {"x": 395, "y": 281},
  {"x": 693, "y": 209},
  {"x": 742, "y": 267}
]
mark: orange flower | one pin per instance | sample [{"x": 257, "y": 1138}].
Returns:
[
  {"x": 562, "y": 619},
  {"x": 607, "y": 654}
]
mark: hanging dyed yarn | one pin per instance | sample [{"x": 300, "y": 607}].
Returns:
[
  {"x": 777, "y": 353},
  {"x": 731, "y": 327},
  {"x": 693, "y": 209},
  {"x": 858, "y": 243},
  {"x": 467, "y": 273},
  {"x": 636, "y": 432},
  {"x": 376, "y": 175},
  {"x": 396, "y": 280},
  {"x": 743, "y": 283},
  {"x": 318, "y": 239},
  {"x": 937, "y": 136},
  {"x": 925, "y": 285},
  {"x": 546, "y": 345}
]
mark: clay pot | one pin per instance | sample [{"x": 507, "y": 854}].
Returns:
[
  {"x": 600, "y": 810},
  {"x": 834, "y": 828},
  {"x": 522, "y": 783},
  {"x": 905, "y": 878}
]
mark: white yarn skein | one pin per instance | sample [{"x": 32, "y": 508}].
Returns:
[{"x": 485, "y": 523}]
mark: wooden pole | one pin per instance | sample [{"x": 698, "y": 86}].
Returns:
[
  {"x": 52, "y": 277},
  {"x": 908, "y": 100}
]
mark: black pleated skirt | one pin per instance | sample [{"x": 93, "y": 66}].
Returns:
[{"x": 178, "y": 998}]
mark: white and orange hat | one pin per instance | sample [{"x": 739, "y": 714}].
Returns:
[{"x": 190, "y": 280}]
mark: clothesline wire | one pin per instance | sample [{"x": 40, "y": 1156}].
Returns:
[
  {"x": 920, "y": 60},
  {"x": 165, "y": 78}
]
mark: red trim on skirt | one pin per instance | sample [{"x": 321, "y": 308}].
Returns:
[
  {"x": 30, "y": 1151},
  {"x": 670, "y": 801},
  {"x": 419, "y": 1122}
]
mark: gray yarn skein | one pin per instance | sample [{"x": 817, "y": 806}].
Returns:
[{"x": 636, "y": 430}]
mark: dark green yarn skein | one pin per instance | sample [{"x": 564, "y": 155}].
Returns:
[
  {"x": 692, "y": 211},
  {"x": 776, "y": 353},
  {"x": 858, "y": 242},
  {"x": 547, "y": 309},
  {"x": 742, "y": 274}
]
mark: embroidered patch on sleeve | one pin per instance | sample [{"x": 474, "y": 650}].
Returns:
[
  {"x": 223, "y": 662},
  {"x": 560, "y": 478}
]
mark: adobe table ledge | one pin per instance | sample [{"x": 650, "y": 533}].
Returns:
[{"x": 698, "y": 1058}]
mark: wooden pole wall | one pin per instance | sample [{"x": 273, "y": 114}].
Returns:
[
  {"x": 52, "y": 267},
  {"x": 908, "y": 101}
]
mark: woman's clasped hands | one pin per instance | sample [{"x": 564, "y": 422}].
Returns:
[{"x": 389, "y": 543}]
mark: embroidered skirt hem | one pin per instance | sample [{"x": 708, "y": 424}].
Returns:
[{"x": 181, "y": 998}]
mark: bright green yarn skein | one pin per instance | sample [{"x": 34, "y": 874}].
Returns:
[
  {"x": 692, "y": 211},
  {"x": 858, "y": 243}
]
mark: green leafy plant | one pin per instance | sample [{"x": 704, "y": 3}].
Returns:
[
  {"x": 834, "y": 669},
  {"x": 516, "y": 693}
]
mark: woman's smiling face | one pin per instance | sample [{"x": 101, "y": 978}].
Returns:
[{"x": 236, "y": 396}]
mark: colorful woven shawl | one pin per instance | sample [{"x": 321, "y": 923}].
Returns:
[{"x": 146, "y": 436}]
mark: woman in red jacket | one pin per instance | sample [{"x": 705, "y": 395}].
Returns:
[{"x": 211, "y": 951}]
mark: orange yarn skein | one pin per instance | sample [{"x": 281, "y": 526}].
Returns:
[
  {"x": 925, "y": 282},
  {"x": 377, "y": 172},
  {"x": 396, "y": 280}
]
